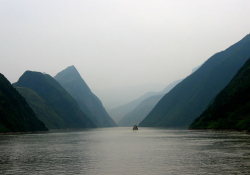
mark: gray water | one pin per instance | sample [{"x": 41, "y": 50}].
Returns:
[{"x": 124, "y": 151}]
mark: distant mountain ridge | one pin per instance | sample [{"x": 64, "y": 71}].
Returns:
[
  {"x": 231, "y": 107},
  {"x": 140, "y": 112},
  {"x": 139, "y": 108},
  {"x": 118, "y": 96},
  {"x": 71, "y": 81},
  {"x": 189, "y": 99},
  {"x": 120, "y": 112},
  {"x": 61, "y": 101},
  {"x": 15, "y": 113}
]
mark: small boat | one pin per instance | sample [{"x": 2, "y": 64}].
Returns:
[{"x": 135, "y": 127}]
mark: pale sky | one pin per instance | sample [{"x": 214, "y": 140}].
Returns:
[{"x": 116, "y": 43}]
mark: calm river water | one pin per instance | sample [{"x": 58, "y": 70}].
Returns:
[{"x": 124, "y": 151}]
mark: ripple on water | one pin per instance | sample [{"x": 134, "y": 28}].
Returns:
[{"x": 123, "y": 151}]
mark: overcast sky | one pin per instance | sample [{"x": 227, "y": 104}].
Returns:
[{"x": 115, "y": 43}]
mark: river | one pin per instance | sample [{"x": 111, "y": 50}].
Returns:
[{"x": 122, "y": 151}]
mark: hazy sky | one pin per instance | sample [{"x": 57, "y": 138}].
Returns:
[{"x": 117, "y": 42}]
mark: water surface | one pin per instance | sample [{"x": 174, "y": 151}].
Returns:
[{"x": 124, "y": 151}]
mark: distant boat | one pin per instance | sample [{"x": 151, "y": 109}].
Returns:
[{"x": 135, "y": 127}]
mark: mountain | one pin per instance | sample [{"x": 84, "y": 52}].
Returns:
[
  {"x": 231, "y": 107},
  {"x": 140, "y": 112},
  {"x": 15, "y": 113},
  {"x": 133, "y": 108},
  {"x": 72, "y": 81},
  {"x": 43, "y": 109},
  {"x": 119, "y": 96},
  {"x": 187, "y": 100},
  {"x": 61, "y": 101},
  {"x": 118, "y": 113}
]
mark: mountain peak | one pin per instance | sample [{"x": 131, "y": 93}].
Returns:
[
  {"x": 71, "y": 68},
  {"x": 72, "y": 81},
  {"x": 69, "y": 73},
  {"x": 65, "y": 109},
  {"x": 16, "y": 114}
]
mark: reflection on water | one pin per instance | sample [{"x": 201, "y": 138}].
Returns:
[{"x": 124, "y": 151}]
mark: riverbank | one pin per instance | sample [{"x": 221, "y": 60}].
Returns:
[
  {"x": 52, "y": 130},
  {"x": 229, "y": 130},
  {"x": 28, "y": 132}
]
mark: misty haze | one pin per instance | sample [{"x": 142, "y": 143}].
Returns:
[{"x": 125, "y": 87}]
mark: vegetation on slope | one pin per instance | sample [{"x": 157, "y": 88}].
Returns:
[
  {"x": 43, "y": 109},
  {"x": 231, "y": 107},
  {"x": 189, "y": 99},
  {"x": 15, "y": 113},
  {"x": 63, "y": 103}
]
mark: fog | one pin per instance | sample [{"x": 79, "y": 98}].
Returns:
[{"x": 115, "y": 43}]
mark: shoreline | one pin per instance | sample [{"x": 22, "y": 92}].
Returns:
[
  {"x": 26, "y": 132},
  {"x": 75, "y": 129},
  {"x": 229, "y": 130},
  {"x": 34, "y": 132}
]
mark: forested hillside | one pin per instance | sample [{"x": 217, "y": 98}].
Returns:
[
  {"x": 61, "y": 101},
  {"x": 189, "y": 99},
  {"x": 231, "y": 107},
  {"x": 15, "y": 113}
]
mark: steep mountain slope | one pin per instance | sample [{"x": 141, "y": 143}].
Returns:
[
  {"x": 63, "y": 103},
  {"x": 120, "y": 112},
  {"x": 231, "y": 107},
  {"x": 140, "y": 112},
  {"x": 43, "y": 109},
  {"x": 72, "y": 81},
  {"x": 15, "y": 113},
  {"x": 189, "y": 99}
]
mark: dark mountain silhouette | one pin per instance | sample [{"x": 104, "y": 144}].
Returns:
[
  {"x": 231, "y": 107},
  {"x": 120, "y": 112},
  {"x": 43, "y": 109},
  {"x": 61, "y": 101},
  {"x": 15, "y": 113},
  {"x": 72, "y": 81},
  {"x": 189, "y": 99}
]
